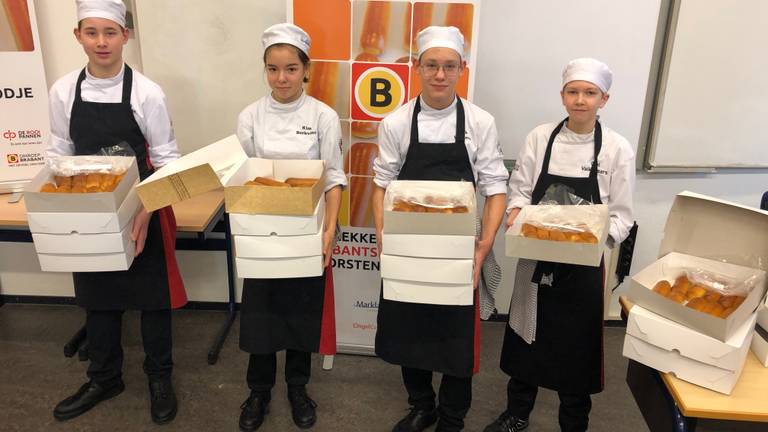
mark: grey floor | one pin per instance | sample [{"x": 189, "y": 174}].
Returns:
[{"x": 359, "y": 394}]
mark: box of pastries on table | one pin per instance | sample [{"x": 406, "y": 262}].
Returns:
[
  {"x": 571, "y": 234},
  {"x": 711, "y": 271},
  {"x": 430, "y": 207}
]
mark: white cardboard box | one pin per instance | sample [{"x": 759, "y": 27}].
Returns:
[
  {"x": 85, "y": 223},
  {"x": 264, "y": 225},
  {"x": 641, "y": 293},
  {"x": 429, "y": 245},
  {"x": 419, "y": 280},
  {"x": 700, "y": 226},
  {"x": 760, "y": 345},
  {"x": 688, "y": 369},
  {"x": 589, "y": 254},
  {"x": 69, "y": 244},
  {"x": 671, "y": 336},
  {"x": 99, "y": 202},
  {"x": 88, "y": 262},
  {"x": 226, "y": 163},
  {"x": 279, "y": 246},
  {"x": 276, "y": 268},
  {"x": 397, "y": 222}
]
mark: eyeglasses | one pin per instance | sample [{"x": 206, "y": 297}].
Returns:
[{"x": 448, "y": 68}]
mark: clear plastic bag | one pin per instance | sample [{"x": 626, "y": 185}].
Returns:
[
  {"x": 429, "y": 197},
  {"x": 573, "y": 223},
  {"x": 101, "y": 172}
]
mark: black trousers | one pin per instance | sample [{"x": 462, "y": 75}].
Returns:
[
  {"x": 105, "y": 350},
  {"x": 262, "y": 369},
  {"x": 454, "y": 397},
  {"x": 574, "y": 408}
]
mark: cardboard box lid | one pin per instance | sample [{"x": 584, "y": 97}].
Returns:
[
  {"x": 101, "y": 202},
  {"x": 671, "y": 336},
  {"x": 435, "y": 270},
  {"x": 708, "y": 227},
  {"x": 195, "y": 173}
]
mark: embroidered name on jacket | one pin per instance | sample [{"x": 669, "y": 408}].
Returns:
[{"x": 306, "y": 130}]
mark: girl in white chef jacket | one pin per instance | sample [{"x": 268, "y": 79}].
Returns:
[
  {"x": 555, "y": 333},
  {"x": 294, "y": 314}
]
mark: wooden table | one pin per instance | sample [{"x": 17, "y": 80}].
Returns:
[
  {"x": 197, "y": 215},
  {"x": 747, "y": 402}
]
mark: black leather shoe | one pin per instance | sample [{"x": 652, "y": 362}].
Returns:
[
  {"x": 163, "y": 404},
  {"x": 302, "y": 407},
  {"x": 417, "y": 420},
  {"x": 253, "y": 410},
  {"x": 88, "y": 396},
  {"x": 507, "y": 423}
]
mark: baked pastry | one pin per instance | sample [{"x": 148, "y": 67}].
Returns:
[
  {"x": 84, "y": 183},
  {"x": 699, "y": 297},
  {"x": 48, "y": 188},
  {"x": 266, "y": 181},
  {"x": 695, "y": 291},
  {"x": 662, "y": 287},
  {"x": 301, "y": 182}
]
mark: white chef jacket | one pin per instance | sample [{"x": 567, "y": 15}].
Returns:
[
  {"x": 147, "y": 101},
  {"x": 572, "y": 156},
  {"x": 439, "y": 126},
  {"x": 303, "y": 129}
]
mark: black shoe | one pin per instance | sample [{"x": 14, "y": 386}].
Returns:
[
  {"x": 417, "y": 420},
  {"x": 88, "y": 396},
  {"x": 163, "y": 404},
  {"x": 507, "y": 423},
  {"x": 302, "y": 407},
  {"x": 253, "y": 410}
]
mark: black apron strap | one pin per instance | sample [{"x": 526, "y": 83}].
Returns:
[
  {"x": 127, "y": 85},
  {"x": 80, "y": 79}
]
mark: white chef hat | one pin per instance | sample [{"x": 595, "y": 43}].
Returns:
[
  {"x": 110, "y": 9},
  {"x": 588, "y": 69},
  {"x": 440, "y": 37},
  {"x": 286, "y": 33}
]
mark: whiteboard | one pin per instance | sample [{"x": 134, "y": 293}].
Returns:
[
  {"x": 525, "y": 44},
  {"x": 711, "y": 107}
]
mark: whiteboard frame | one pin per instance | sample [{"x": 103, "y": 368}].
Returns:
[{"x": 660, "y": 67}]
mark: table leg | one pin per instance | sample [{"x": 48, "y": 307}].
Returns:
[
  {"x": 654, "y": 400},
  {"x": 73, "y": 345},
  {"x": 213, "y": 354}
]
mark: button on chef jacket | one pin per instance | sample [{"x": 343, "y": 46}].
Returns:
[
  {"x": 147, "y": 101},
  {"x": 572, "y": 156},
  {"x": 439, "y": 126},
  {"x": 303, "y": 129}
]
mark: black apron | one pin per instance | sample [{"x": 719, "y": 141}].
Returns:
[
  {"x": 153, "y": 281},
  {"x": 291, "y": 313},
  {"x": 438, "y": 338},
  {"x": 567, "y": 355}
]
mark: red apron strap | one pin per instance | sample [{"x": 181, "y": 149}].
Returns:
[
  {"x": 177, "y": 293},
  {"x": 328, "y": 322},
  {"x": 476, "y": 347}
]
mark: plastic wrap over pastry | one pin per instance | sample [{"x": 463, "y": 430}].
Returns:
[
  {"x": 557, "y": 223},
  {"x": 705, "y": 291},
  {"x": 429, "y": 197},
  {"x": 85, "y": 174}
]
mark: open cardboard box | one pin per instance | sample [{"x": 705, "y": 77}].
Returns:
[
  {"x": 699, "y": 226},
  {"x": 283, "y": 225},
  {"x": 98, "y": 202},
  {"x": 668, "y": 335},
  {"x": 429, "y": 246},
  {"x": 427, "y": 280},
  {"x": 398, "y": 222},
  {"x": 588, "y": 254},
  {"x": 85, "y": 223},
  {"x": 296, "y": 201}
]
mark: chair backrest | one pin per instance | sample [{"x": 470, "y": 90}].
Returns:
[{"x": 764, "y": 202}]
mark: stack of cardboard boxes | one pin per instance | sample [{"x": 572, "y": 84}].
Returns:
[
  {"x": 84, "y": 232},
  {"x": 428, "y": 257},
  {"x": 715, "y": 236}
]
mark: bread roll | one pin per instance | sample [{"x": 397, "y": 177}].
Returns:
[
  {"x": 266, "y": 181},
  {"x": 528, "y": 230},
  {"x": 676, "y": 296},
  {"x": 301, "y": 182},
  {"x": 48, "y": 188},
  {"x": 93, "y": 182},
  {"x": 542, "y": 233},
  {"x": 695, "y": 291},
  {"x": 662, "y": 287}
]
